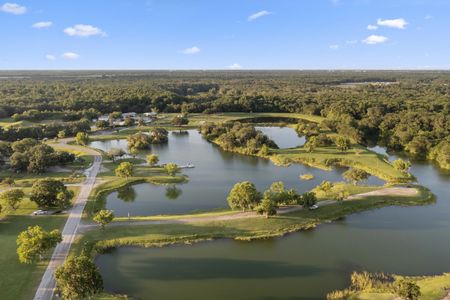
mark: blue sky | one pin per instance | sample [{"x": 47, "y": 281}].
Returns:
[{"x": 225, "y": 34}]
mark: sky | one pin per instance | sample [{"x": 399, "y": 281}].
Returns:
[{"x": 224, "y": 34}]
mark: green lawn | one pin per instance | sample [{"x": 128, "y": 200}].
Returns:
[
  {"x": 19, "y": 281},
  {"x": 431, "y": 287},
  {"x": 358, "y": 156}
]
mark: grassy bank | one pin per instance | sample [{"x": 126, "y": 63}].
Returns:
[
  {"x": 431, "y": 288},
  {"x": 242, "y": 229},
  {"x": 326, "y": 157}
]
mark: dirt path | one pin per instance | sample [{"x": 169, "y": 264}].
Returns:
[{"x": 392, "y": 191}]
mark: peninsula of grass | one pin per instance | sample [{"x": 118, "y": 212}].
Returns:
[
  {"x": 241, "y": 229},
  {"x": 431, "y": 288}
]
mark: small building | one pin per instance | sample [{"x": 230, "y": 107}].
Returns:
[{"x": 150, "y": 114}]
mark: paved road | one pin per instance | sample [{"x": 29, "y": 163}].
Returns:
[{"x": 47, "y": 285}]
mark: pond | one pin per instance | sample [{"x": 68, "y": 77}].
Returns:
[
  {"x": 215, "y": 173},
  {"x": 302, "y": 265}
]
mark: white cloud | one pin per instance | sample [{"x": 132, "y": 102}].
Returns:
[
  {"x": 191, "y": 50},
  {"x": 13, "y": 8},
  {"x": 258, "y": 15},
  {"x": 40, "y": 25},
  {"x": 82, "y": 30},
  {"x": 334, "y": 47},
  {"x": 375, "y": 39},
  {"x": 70, "y": 55},
  {"x": 393, "y": 23},
  {"x": 372, "y": 27},
  {"x": 235, "y": 67},
  {"x": 50, "y": 57}
]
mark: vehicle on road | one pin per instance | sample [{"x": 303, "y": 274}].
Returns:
[
  {"x": 314, "y": 207},
  {"x": 40, "y": 212}
]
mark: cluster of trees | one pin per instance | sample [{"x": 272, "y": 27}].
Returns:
[
  {"x": 51, "y": 130},
  {"x": 378, "y": 282},
  {"x": 245, "y": 196},
  {"x": 142, "y": 141},
  {"x": 31, "y": 155},
  {"x": 412, "y": 115},
  {"x": 232, "y": 136}
]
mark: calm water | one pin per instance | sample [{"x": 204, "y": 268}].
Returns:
[
  {"x": 214, "y": 175},
  {"x": 302, "y": 265}
]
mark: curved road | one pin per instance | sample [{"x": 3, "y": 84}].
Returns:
[{"x": 46, "y": 287}]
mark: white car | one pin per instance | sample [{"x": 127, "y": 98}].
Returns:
[
  {"x": 313, "y": 207},
  {"x": 40, "y": 212}
]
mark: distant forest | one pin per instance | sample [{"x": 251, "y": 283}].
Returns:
[{"x": 403, "y": 110}]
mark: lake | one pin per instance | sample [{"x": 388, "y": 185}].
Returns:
[
  {"x": 302, "y": 265},
  {"x": 215, "y": 173}
]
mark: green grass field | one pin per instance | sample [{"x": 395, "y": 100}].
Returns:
[{"x": 19, "y": 281}]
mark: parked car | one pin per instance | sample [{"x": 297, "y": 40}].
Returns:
[
  {"x": 40, "y": 212},
  {"x": 313, "y": 207}
]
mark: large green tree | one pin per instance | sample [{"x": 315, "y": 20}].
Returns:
[
  {"x": 243, "y": 196},
  {"x": 355, "y": 175},
  {"x": 34, "y": 242},
  {"x": 103, "y": 217},
  {"x": 12, "y": 198},
  {"x": 78, "y": 278},
  {"x": 82, "y": 138},
  {"x": 50, "y": 193},
  {"x": 171, "y": 168},
  {"x": 124, "y": 170}
]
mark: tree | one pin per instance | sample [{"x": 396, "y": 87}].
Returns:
[
  {"x": 309, "y": 199},
  {"x": 34, "y": 242},
  {"x": 12, "y": 198},
  {"x": 171, "y": 168},
  {"x": 113, "y": 153},
  {"x": 407, "y": 289},
  {"x": 126, "y": 193},
  {"x": 342, "y": 143},
  {"x": 139, "y": 141},
  {"x": 341, "y": 196},
  {"x": 39, "y": 158},
  {"x": 50, "y": 193},
  {"x": 82, "y": 138},
  {"x": 134, "y": 152},
  {"x": 103, "y": 217},
  {"x": 18, "y": 161},
  {"x": 102, "y": 124},
  {"x": 61, "y": 134},
  {"x": 128, "y": 122},
  {"x": 325, "y": 186},
  {"x": 78, "y": 278},
  {"x": 311, "y": 144},
  {"x": 243, "y": 196},
  {"x": 401, "y": 165},
  {"x": 124, "y": 170},
  {"x": 355, "y": 175},
  {"x": 180, "y": 120},
  {"x": 264, "y": 151},
  {"x": 267, "y": 206},
  {"x": 152, "y": 160}
]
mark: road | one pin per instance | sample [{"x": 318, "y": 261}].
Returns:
[{"x": 46, "y": 287}]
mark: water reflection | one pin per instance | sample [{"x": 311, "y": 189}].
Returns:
[{"x": 172, "y": 192}]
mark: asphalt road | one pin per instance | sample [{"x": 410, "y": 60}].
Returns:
[{"x": 46, "y": 287}]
